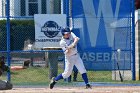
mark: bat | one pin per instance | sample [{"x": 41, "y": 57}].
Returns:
[{"x": 121, "y": 78}]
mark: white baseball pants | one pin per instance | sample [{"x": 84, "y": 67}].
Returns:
[{"x": 70, "y": 61}]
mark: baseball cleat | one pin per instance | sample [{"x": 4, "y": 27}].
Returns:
[
  {"x": 52, "y": 83},
  {"x": 88, "y": 86}
]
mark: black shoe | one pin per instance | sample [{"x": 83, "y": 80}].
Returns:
[
  {"x": 52, "y": 83},
  {"x": 88, "y": 86}
]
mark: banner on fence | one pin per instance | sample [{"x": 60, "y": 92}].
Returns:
[
  {"x": 47, "y": 29},
  {"x": 104, "y": 26}
]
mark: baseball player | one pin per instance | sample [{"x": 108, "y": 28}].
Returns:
[{"x": 68, "y": 44}]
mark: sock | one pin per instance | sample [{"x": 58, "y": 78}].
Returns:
[
  {"x": 84, "y": 76},
  {"x": 59, "y": 77}
]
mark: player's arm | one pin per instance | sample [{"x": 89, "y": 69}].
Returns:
[
  {"x": 64, "y": 47},
  {"x": 76, "y": 39}
]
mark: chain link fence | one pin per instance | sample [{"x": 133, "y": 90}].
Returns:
[
  {"x": 107, "y": 36},
  {"x": 33, "y": 66}
]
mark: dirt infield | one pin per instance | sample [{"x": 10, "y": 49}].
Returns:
[{"x": 98, "y": 89}]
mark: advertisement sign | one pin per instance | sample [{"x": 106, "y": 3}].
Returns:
[
  {"x": 48, "y": 29},
  {"x": 104, "y": 26}
]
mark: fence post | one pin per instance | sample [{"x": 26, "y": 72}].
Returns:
[
  {"x": 8, "y": 37},
  {"x": 133, "y": 40},
  {"x": 67, "y": 11}
]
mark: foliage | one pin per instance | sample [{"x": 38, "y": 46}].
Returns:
[{"x": 20, "y": 30}]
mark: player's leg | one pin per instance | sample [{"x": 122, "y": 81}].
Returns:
[
  {"x": 68, "y": 67},
  {"x": 67, "y": 72},
  {"x": 75, "y": 70},
  {"x": 81, "y": 68}
]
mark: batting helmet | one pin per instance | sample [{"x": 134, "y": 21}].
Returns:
[{"x": 65, "y": 31}]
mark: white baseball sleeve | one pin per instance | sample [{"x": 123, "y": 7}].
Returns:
[
  {"x": 76, "y": 39},
  {"x": 64, "y": 47}
]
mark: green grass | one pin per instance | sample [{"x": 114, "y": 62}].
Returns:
[
  {"x": 40, "y": 76},
  {"x": 30, "y": 75}
]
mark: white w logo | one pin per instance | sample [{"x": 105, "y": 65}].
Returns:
[{"x": 93, "y": 20}]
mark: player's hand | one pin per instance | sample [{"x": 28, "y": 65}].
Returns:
[
  {"x": 76, "y": 39},
  {"x": 66, "y": 51},
  {"x": 71, "y": 46}
]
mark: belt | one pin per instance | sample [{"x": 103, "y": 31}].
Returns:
[{"x": 74, "y": 54}]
